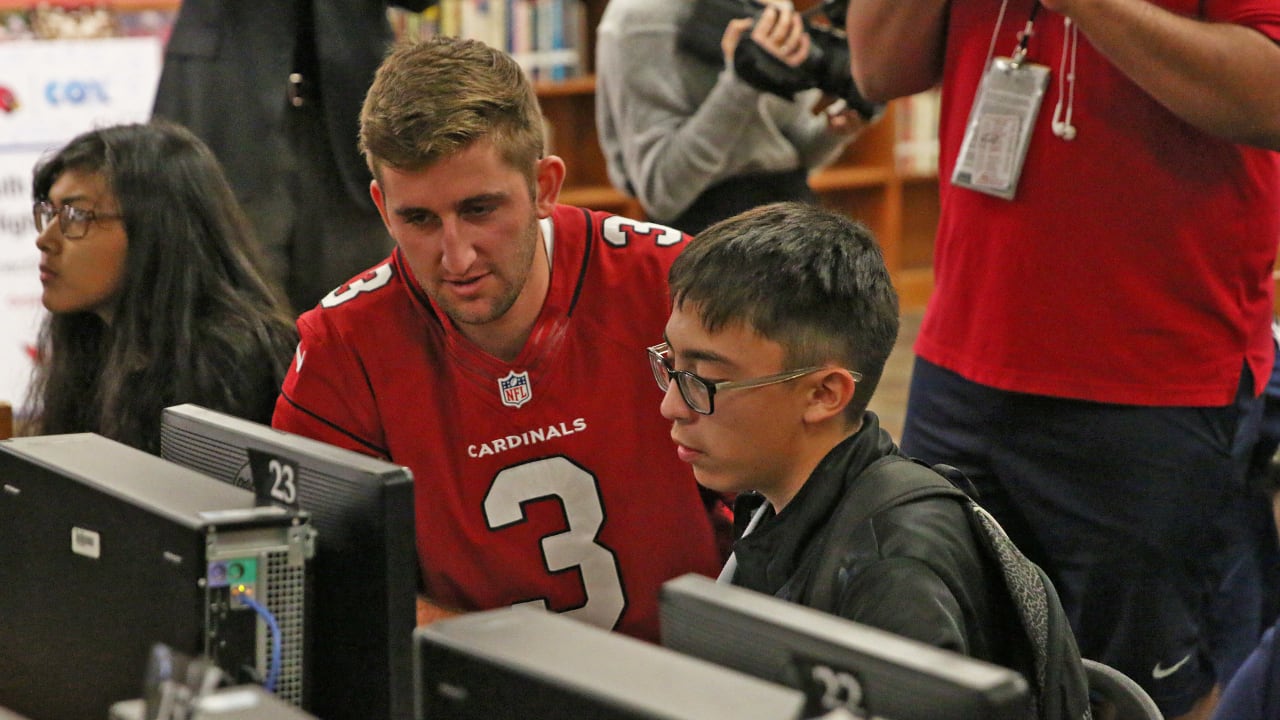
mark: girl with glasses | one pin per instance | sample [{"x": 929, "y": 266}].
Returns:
[{"x": 151, "y": 279}]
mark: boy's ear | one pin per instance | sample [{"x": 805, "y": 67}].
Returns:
[{"x": 830, "y": 394}]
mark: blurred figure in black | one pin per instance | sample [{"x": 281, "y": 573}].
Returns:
[{"x": 275, "y": 87}]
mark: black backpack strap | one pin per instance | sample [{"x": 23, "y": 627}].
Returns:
[
  {"x": 890, "y": 481},
  {"x": 1060, "y": 686}
]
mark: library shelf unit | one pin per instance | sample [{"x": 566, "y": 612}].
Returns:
[{"x": 900, "y": 208}]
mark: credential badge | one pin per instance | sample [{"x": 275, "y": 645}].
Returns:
[{"x": 515, "y": 389}]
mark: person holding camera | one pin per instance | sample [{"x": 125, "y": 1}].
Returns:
[
  {"x": 685, "y": 134},
  {"x": 1100, "y": 325}
]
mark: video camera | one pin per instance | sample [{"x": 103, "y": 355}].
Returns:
[{"x": 826, "y": 67}]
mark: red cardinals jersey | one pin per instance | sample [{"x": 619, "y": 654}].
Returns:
[{"x": 549, "y": 480}]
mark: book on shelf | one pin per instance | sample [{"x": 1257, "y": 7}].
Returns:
[
  {"x": 547, "y": 37},
  {"x": 486, "y": 21},
  {"x": 916, "y": 144}
]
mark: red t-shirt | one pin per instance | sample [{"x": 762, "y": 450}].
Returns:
[
  {"x": 1134, "y": 264},
  {"x": 548, "y": 479}
]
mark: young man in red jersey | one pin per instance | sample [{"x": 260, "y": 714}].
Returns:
[{"x": 496, "y": 354}]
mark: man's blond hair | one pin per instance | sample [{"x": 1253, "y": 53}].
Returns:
[{"x": 432, "y": 99}]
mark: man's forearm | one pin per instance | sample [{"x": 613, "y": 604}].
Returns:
[
  {"x": 429, "y": 612},
  {"x": 1219, "y": 77},
  {"x": 896, "y": 47}
]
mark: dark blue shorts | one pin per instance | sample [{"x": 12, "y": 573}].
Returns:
[{"x": 1135, "y": 513}]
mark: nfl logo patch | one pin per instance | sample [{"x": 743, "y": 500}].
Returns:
[{"x": 515, "y": 389}]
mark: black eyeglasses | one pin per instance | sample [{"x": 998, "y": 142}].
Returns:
[
  {"x": 699, "y": 393},
  {"x": 72, "y": 221}
]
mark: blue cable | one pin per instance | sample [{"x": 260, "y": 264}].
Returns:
[{"x": 273, "y": 672}]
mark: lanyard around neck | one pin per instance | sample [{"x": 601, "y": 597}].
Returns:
[{"x": 1024, "y": 37}]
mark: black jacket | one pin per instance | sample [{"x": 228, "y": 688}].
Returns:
[{"x": 917, "y": 571}]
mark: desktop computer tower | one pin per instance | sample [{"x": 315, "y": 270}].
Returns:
[{"x": 106, "y": 550}]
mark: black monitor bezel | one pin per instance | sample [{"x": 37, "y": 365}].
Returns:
[
  {"x": 378, "y": 683},
  {"x": 787, "y": 643}
]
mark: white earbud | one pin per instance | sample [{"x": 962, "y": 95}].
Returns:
[{"x": 1063, "y": 111}]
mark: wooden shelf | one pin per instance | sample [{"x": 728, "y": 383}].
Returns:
[
  {"x": 600, "y": 197},
  {"x": 585, "y": 85},
  {"x": 919, "y": 178},
  {"x": 914, "y": 286},
  {"x": 849, "y": 177}
]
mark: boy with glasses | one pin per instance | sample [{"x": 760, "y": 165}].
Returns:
[{"x": 767, "y": 380}]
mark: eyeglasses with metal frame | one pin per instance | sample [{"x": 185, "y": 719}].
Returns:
[
  {"x": 699, "y": 393},
  {"x": 73, "y": 221}
]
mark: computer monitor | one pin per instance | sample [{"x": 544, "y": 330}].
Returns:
[
  {"x": 517, "y": 663},
  {"x": 365, "y": 567},
  {"x": 836, "y": 662},
  {"x": 106, "y": 550}
]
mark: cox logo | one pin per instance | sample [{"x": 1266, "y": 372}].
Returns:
[{"x": 75, "y": 92}]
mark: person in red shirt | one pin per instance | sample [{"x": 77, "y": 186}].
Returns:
[
  {"x": 497, "y": 353},
  {"x": 1100, "y": 326}
]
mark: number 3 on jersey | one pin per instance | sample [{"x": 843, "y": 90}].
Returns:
[
  {"x": 618, "y": 231},
  {"x": 367, "y": 282},
  {"x": 575, "y": 488}
]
